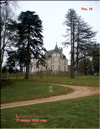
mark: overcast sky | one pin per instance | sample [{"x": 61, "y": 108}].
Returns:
[{"x": 52, "y": 14}]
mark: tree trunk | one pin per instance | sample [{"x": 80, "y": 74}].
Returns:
[
  {"x": 72, "y": 64},
  {"x": 72, "y": 70},
  {"x": 28, "y": 56},
  {"x": 27, "y": 64},
  {"x": 0, "y": 48},
  {"x": 77, "y": 54},
  {"x": 77, "y": 57},
  {"x": 27, "y": 70},
  {"x": 72, "y": 54}
]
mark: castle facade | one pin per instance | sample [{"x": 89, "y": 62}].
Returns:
[{"x": 55, "y": 61}]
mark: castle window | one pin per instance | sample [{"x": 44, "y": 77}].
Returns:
[
  {"x": 54, "y": 55},
  {"x": 49, "y": 56}
]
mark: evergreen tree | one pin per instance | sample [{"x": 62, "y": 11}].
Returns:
[{"x": 28, "y": 39}]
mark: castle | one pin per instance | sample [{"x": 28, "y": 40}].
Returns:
[{"x": 55, "y": 61}]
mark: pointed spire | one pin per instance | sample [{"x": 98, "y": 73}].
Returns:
[{"x": 56, "y": 47}]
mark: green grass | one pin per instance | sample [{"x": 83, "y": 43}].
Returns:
[
  {"x": 21, "y": 90},
  {"x": 81, "y": 81},
  {"x": 76, "y": 113},
  {"x": 62, "y": 77}
]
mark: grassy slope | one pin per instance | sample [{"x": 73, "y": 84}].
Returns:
[
  {"x": 81, "y": 81},
  {"x": 76, "y": 113},
  {"x": 21, "y": 90}
]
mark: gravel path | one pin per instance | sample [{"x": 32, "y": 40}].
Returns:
[{"x": 78, "y": 91}]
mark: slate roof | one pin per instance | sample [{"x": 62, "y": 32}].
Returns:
[{"x": 56, "y": 49}]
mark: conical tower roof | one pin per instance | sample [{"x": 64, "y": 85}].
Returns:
[{"x": 56, "y": 48}]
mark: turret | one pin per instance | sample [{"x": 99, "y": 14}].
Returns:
[{"x": 56, "y": 48}]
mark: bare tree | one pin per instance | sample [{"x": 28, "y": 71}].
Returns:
[
  {"x": 80, "y": 37},
  {"x": 84, "y": 41},
  {"x": 6, "y": 14},
  {"x": 71, "y": 22}
]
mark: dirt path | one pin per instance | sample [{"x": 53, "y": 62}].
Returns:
[{"x": 78, "y": 91}]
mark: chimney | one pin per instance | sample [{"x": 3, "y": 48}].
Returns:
[{"x": 61, "y": 52}]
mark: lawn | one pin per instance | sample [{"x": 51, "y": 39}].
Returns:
[
  {"x": 61, "y": 78},
  {"x": 75, "y": 113},
  {"x": 21, "y": 90},
  {"x": 81, "y": 81}
]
